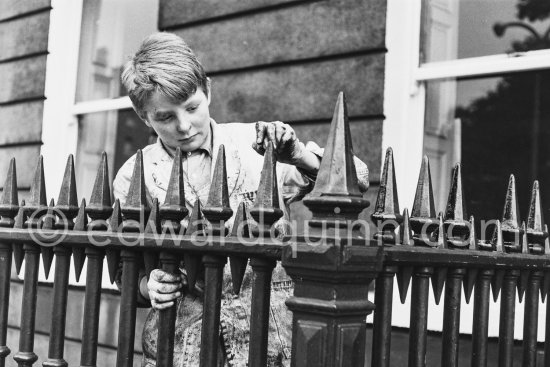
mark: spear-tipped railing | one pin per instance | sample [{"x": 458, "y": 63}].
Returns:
[{"x": 332, "y": 263}]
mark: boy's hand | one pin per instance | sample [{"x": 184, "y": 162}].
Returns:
[
  {"x": 287, "y": 146},
  {"x": 164, "y": 288}
]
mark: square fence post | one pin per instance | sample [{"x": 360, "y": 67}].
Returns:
[{"x": 333, "y": 266}]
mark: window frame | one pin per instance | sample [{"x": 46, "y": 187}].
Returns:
[
  {"x": 61, "y": 111},
  {"x": 405, "y": 86}
]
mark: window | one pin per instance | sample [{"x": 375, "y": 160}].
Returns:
[
  {"x": 468, "y": 81},
  {"x": 86, "y": 105},
  {"x": 111, "y": 31},
  {"x": 460, "y": 54},
  {"x": 87, "y": 111}
]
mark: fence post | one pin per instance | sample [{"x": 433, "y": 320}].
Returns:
[{"x": 332, "y": 276}]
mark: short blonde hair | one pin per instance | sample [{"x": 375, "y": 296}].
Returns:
[{"x": 163, "y": 63}]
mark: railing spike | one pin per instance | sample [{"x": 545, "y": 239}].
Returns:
[
  {"x": 217, "y": 209},
  {"x": 101, "y": 192},
  {"x": 546, "y": 241},
  {"x": 67, "y": 196},
  {"x": 545, "y": 286},
  {"x": 174, "y": 205},
  {"x": 153, "y": 222},
  {"x": 137, "y": 193},
  {"x": 193, "y": 262},
  {"x": 9, "y": 202},
  {"x": 386, "y": 211},
  {"x": 218, "y": 197},
  {"x": 522, "y": 283},
  {"x": 197, "y": 223},
  {"x": 336, "y": 196},
  {"x": 81, "y": 219},
  {"x": 524, "y": 274},
  {"x": 38, "y": 187},
  {"x": 268, "y": 191},
  {"x": 113, "y": 255},
  {"x": 546, "y": 280},
  {"x": 441, "y": 234},
  {"x": 38, "y": 203},
  {"x": 455, "y": 213},
  {"x": 498, "y": 245},
  {"x": 136, "y": 208},
  {"x": 469, "y": 282},
  {"x": 536, "y": 235},
  {"x": 511, "y": 231},
  {"x": 49, "y": 218},
  {"x": 423, "y": 215},
  {"x": 438, "y": 282},
  {"x": 20, "y": 217},
  {"x": 238, "y": 264},
  {"x": 473, "y": 236},
  {"x": 47, "y": 252},
  {"x": 497, "y": 241},
  {"x": 403, "y": 276},
  {"x": 18, "y": 253},
  {"x": 100, "y": 205},
  {"x": 405, "y": 233},
  {"x": 266, "y": 209},
  {"x": 524, "y": 244},
  {"x": 496, "y": 283},
  {"x": 79, "y": 253},
  {"x": 337, "y": 175},
  {"x": 116, "y": 218}
]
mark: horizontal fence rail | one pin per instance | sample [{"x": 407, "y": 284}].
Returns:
[
  {"x": 332, "y": 263},
  {"x": 445, "y": 250}
]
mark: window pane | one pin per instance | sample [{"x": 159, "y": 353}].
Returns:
[
  {"x": 119, "y": 133},
  {"x": 111, "y": 31},
  {"x": 494, "y": 126},
  {"x": 454, "y": 29}
]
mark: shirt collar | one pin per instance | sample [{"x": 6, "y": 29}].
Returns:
[{"x": 207, "y": 146}]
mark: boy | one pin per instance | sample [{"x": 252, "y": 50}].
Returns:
[{"x": 170, "y": 92}]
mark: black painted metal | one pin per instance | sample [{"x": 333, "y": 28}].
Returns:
[
  {"x": 210, "y": 339},
  {"x": 135, "y": 213},
  {"x": 419, "y": 316},
  {"x": 26, "y": 357},
  {"x": 33, "y": 214},
  {"x": 530, "y": 320},
  {"x": 99, "y": 211},
  {"x": 171, "y": 214},
  {"x": 480, "y": 324},
  {"x": 451, "y": 317},
  {"x": 507, "y": 314},
  {"x": 5, "y": 272},
  {"x": 383, "y": 299},
  {"x": 128, "y": 303},
  {"x": 92, "y": 299},
  {"x": 259, "y": 312},
  {"x": 217, "y": 211},
  {"x": 8, "y": 210},
  {"x": 59, "y": 309}
]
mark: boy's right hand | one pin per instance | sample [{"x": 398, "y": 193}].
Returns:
[{"x": 164, "y": 288}]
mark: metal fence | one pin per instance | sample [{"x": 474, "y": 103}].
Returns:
[{"x": 331, "y": 265}]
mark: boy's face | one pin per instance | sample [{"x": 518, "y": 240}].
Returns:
[{"x": 185, "y": 125}]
